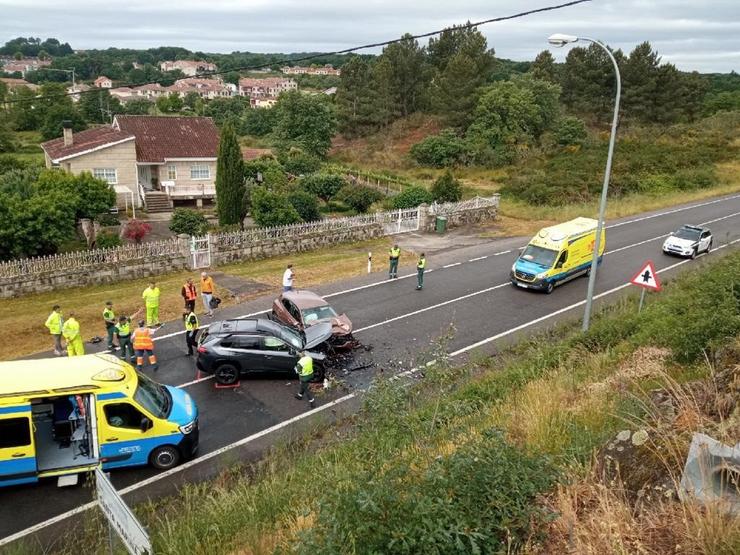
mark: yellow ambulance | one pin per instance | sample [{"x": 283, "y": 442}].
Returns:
[
  {"x": 557, "y": 254},
  {"x": 61, "y": 417}
]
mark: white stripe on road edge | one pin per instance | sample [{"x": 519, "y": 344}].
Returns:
[
  {"x": 502, "y": 252},
  {"x": 248, "y": 439},
  {"x": 187, "y": 384},
  {"x": 452, "y": 264},
  {"x": 674, "y": 211},
  {"x": 478, "y": 258}
]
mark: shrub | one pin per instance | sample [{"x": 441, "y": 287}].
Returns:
[
  {"x": 299, "y": 163},
  {"x": 441, "y": 151},
  {"x": 258, "y": 122},
  {"x": 359, "y": 197},
  {"x": 136, "y": 230},
  {"x": 446, "y": 188},
  {"x": 271, "y": 209},
  {"x": 411, "y": 197},
  {"x": 570, "y": 131},
  {"x": 306, "y": 204},
  {"x": 323, "y": 185},
  {"x": 107, "y": 239},
  {"x": 188, "y": 221},
  {"x": 108, "y": 219}
]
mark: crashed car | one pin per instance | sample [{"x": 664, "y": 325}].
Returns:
[
  {"x": 688, "y": 240},
  {"x": 233, "y": 348},
  {"x": 304, "y": 309}
]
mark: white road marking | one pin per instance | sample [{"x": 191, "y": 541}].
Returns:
[
  {"x": 452, "y": 265},
  {"x": 502, "y": 252},
  {"x": 478, "y": 258},
  {"x": 199, "y": 380},
  {"x": 138, "y": 485},
  {"x": 674, "y": 211}
]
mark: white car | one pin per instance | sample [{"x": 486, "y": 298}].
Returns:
[{"x": 689, "y": 241}]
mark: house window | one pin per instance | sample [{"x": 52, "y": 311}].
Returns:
[
  {"x": 106, "y": 174},
  {"x": 200, "y": 171},
  {"x": 172, "y": 172}
]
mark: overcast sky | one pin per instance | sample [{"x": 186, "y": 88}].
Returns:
[{"x": 701, "y": 35}]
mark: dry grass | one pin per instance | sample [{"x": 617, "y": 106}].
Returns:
[{"x": 22, "y": 319}]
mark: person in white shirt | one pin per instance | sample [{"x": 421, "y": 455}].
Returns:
[{"x": 288, "y": 276}]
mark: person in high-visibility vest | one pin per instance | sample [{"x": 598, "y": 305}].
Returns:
[
  {"x": 123, "y": 331},
  {"x": 191, "y": 331},
  {"x": 304, "y": 369},
  {"x": 151, "y": 302},
  {"x": 189, "y": 294},
  {"x": 54, "y": 324},
  {"x": 109, "y": 318},
  {"x": 420, "y": 266},
  {"x": 71, "y": 333},
  {"x": 393, "y": 256},
  {"x": 144, "y": 346}
]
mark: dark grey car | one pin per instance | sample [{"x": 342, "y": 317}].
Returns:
[{"x": 231, "y": 348}]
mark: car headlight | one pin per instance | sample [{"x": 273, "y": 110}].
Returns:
[
  {"x": 543, "y": 275},
  {"x": 513, "y": 267},
  {"x": 187, "y": 428}
]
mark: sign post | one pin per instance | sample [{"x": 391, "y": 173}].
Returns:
[
  {"x": 120, "y": 517},
  {"x": 646, "y": 278}
]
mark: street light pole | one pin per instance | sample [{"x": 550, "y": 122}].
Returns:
[{"x": 562, "y": 40}]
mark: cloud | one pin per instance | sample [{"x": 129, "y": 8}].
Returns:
[{"x": 702, "y": 36}]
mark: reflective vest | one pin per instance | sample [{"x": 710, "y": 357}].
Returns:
[
  {"x": 109, "y": 317},
  {"x": 190, "y": 293},
  {"x": 54, "y": 323},
  {"x": 394, "y": 253},
  {"x": 206, "y": 285},
  {"x": 422, "y": 263},
  {"x": 151, "y": 297},
  {"x": 124, "y": 330},
  {"x": 191, "y": 322},
  {"x": 71, "y": 329},
  {"x": 143, "y": 340},
  {"x": 305, "y": 365}
]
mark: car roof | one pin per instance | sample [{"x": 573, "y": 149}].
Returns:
[
  {"x": 245, "y": 325},
  {"x": 304, "y": 299},
  {"x": 694, "y": 227}
]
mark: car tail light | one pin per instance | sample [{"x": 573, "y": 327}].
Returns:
[{"x": 202, "y": 350}]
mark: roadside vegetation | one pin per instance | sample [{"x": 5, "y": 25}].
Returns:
[{"x": 565, "y": 442}]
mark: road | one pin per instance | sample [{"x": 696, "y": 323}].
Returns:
[{"x": 466, "y": 287}]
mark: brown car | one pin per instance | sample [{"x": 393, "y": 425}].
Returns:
[{"x": 302, "y": 309}]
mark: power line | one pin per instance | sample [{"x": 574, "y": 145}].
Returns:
[{"x": 323, "y": 54}]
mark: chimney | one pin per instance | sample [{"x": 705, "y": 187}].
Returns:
[{"x": 67, "y": 128}]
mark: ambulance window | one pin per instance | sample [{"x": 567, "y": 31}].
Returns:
[
  {"x": 123, "y": 415},
  {"x": 563, "y": 258},
  {"x": 14, "y": 432}
]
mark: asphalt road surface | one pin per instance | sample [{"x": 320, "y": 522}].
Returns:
[{"x": 465, "y": 287}]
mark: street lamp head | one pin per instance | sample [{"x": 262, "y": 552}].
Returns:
[{"x": 559, "y": 39}]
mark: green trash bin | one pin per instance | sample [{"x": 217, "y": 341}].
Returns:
[{"x": 440, "y": 225}]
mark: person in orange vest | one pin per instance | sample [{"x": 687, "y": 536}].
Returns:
[
  {"x": 144, "y": 345},
  {"x": 189, "y": 294}
]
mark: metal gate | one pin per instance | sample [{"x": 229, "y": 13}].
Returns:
[
  {"x": 401, "y": 221},
  {"x": 200, "y": 252}
]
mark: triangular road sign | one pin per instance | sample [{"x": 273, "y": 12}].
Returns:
[{"x": 647, "y": 277}]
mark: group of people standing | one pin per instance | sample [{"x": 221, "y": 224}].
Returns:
[{"x": 394, "y": 255}]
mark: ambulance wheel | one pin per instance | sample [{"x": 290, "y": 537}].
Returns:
[
  {"x": 165, "y": 457},
  {"x": 549, "y": 287},
  {"x": 227, "y": 374}
]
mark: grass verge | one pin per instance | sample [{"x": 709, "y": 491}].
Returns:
[{"x": 514, "y": 453}]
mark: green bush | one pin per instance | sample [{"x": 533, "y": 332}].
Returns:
[
  {"x": 306, "y": 204},
  {"x": 108, "y": 219},
  {"x": 258, "y": 122},
  {"x": 323, "y": 185},
  {"x": 359, "y": 197},
  {"x": 299, "y": 163},
  {"x": 446, "y": 188},
  {"x": 411, "y": 197},
  {"x": 107, "y": 239},
  {"x": 271, "y": 209},
  {"x": 441, "y": 151},
  {"x": 570, "y": 131},
  {"x": 188, "y": 221}
]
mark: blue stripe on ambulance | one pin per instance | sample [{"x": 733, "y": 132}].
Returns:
[{"x": 133, "y": 452}]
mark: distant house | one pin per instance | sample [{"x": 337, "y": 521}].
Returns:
[
  {"x": 205, "y": 88},
  {"x": 322, "y": 70},
  {"x": 267, "y": 87},
  {"x": 75, "y": 90},
  {"x": 124, "y": 94},
  {"x": 151, "y": 91},
  {"x": 23, "y": 65},
  {"x": 262, "y": 101},
  {"x": 103, "y": 82},
  {"x": 159, "y": 161},
  {"x": 12, "y": 83},
  {"x": 188, "y": 67}
]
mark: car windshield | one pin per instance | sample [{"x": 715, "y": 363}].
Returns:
[
  {"x": 538, "y": 255},
  {"x": 153, "y": 397},
  {"x": 293, "y": 338},
  {"x": 689, "y": 234},
  {"x": 316, "y": 313}
]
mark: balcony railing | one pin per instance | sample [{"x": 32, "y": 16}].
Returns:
[{"x": 183, "y": 190}]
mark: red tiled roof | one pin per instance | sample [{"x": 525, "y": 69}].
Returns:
[
  {"x": 162, "y": 137},
  {"x": 84, "y": 141}
]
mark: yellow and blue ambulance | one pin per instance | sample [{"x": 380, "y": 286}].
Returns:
[
  {"x": 61, "y": 417},
  {"x": 557, "y": 254}
]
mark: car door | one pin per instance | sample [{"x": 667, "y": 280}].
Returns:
[
  {"x": 17, "y": 450},
  {"x": 704, "y": 240},
  {"x": 279, "y": 356},
  {"x": 561, "y": 266},
  {"x": 248, "y": 351},
  {"x": 123, "y": 430},
  {"x": 295, "y": 315}
]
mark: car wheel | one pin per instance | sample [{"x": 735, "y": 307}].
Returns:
[
  {"x": 227, "y": 374},
  {"x": 165, "y": 457},
  {"x": 549, "y": 287},
  {"x": 709, "y": 247},
  {"x": 694, "y": 253}
]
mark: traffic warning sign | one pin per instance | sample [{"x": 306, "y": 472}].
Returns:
[{"x": 647, "y": 277}]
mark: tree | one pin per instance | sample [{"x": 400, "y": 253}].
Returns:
[
  {"x": 323, "y": 185},
  {"x": 136, "y": 230},
  {"x": 194, "y": 102},
  {"x": 268, "y": 172},
  {"x": 306, "y": 204},
  {"x": 7, "y": 138},
  {"x": 229, "y": 178},
  {"x": 405, "y": 75},
  {"x": 297, "y": 162},
  {"x": 570, "y": 131},
  {"x": 357, "y": 99},
  {"x": 259, "y": 121},
  {"x": 169, "y": 104},
  {"x": 99, "y": 106},
  {"x": 188, "y": 221},
  {"x": 137, "y": 107},
  {"x": 446, "y": 188},
  {"x": 359, "y": 197},
  {"x": 441, "y": 151},
  {"x": 56, "y": 116},
  {"x": 22, "y": 113},
  {"x": 270, "y": 209},
  {"x": 588, "y": 81},
  {"x": 90, "y": 196},
  {"x": 306, "y": 122},
  {"x": 411, "y": 197},
  {"x": 226, "y": 109},
  {"x": 543, "y": 67}
]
